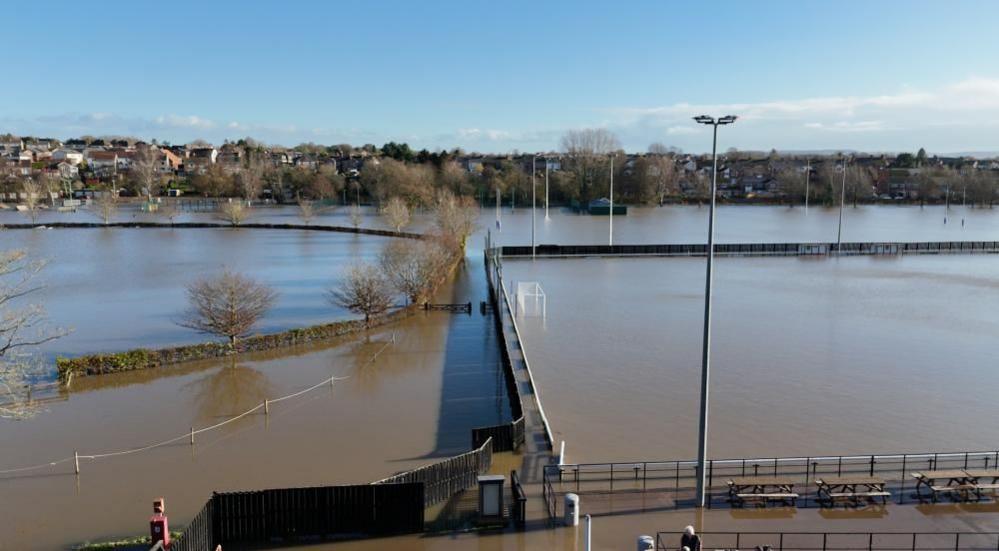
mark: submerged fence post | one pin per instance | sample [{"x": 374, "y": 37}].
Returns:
[
  {"x": 192, "y": 436},
  {"x": 76, "y": 461},
  {"x": 267, "y": 407}
]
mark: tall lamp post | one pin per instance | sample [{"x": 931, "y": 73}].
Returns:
[
  {"x": 534, "y": 187},
  {"x": 546, "y": 186},
  {"x": 610, "y": 223},
  {"x": 702, "y": 442},
  {"x": 842, "y": 201}
]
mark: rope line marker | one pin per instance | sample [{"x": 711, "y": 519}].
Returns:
[{"x": 76, "y": 455}]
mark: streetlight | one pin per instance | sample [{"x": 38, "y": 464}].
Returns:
[
  {"x": 547, "y": 162},
  {"x": 534, "y": 186},
  {"x": 808, "y": 175},
  {"x": 842, "y": 201},
  {"x": 610, "y": 228},
  {"x": 702, "y": 444}
]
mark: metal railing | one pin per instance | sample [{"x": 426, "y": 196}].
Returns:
[
  {"x": 755, "y": 249},
  {"x": 838, "y": 541},
  {"x": 679, "y": 477},
  {"x": 444, "y": 479}
]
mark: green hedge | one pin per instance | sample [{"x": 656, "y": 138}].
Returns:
[{"x": 143, "y": 358}]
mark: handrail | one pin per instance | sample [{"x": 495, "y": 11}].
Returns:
[
  {"x": 863, "y": 541},
  {"x": 527, "y": 367}
]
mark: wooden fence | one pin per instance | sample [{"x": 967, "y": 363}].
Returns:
[
  {"x": 756, "y": 249},
  {"x": 296, "y": 514},
  {"x": 508, "y": 436},
  {"x": 444, "y": 479}
]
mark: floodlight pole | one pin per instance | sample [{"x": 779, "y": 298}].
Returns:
[
  {"x": 610, "y": 229},
  {"x": 702, "y": 445},
  {"x": 808, "y": 175},
  {"x": 546, "y": 188},
  {"x": 842, "y": 201},
  {"x": 534, "y": 170}
]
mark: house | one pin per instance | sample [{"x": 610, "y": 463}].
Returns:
[
  {"x": 68, "y": 155},
  {"x": 200, "y": 159},
  {"x": 67, "y": 170},
  {"x": 306, "y": 161},
  {"x": 102, "y": 163},
  {"x": 170, "y": 162}
]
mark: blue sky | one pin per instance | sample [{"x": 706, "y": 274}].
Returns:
[{"x": 499, "y": 76}]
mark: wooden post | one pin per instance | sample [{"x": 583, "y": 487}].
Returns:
[
  {"x": 192, "y": 436},
  {"x": 267, "y": 407},
  {"x": 76, "y": 461}
]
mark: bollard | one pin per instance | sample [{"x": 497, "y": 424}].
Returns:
[
  {"x": 646, "y": 543},
  {"x": 587, "y": 538},
  {"x": 571, "y": 510},
  {"x": 192, "y": 436}
]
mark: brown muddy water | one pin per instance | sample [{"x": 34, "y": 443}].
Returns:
[
  {"x": 810, "y": 356},
  {"x": 414, "y": 404}
]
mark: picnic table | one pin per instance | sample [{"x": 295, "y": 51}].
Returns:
[
  {"x": 851, "y": 489},
  {"x": 957, "y": 483},
  {"x": 761, "y": 490}
]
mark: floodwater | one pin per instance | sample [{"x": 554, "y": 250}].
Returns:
[
  {"x": 809, "y": 355},
  {"x": 747, "y": 224},
  {"x": 123, "y": 288},
  {"x": 415, "y": 403}
]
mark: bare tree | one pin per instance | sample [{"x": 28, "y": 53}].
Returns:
[
  {"x": 364, "y": 290},
  {"x": 396, "y": 213},
  {"x": 105, "y": 205},
  {"x": 306, "y": 210},
  {"x": 456, "y": 219},
  {"x": 31, "y": 192},
  {"x": 144, "y": 173},
  {"x": 662, "y": 170},
  {"x": 233, "y": 212},
  {"x": 355, "y": 216},
  {"x": 414, "y": 268},
  {"x": 227, "y": 305},
  {"x": 51, "y": 184},
  {"x": 585, "y": 149},
  {"x": 251, "y": 178},
  {"x": 21, "y": 329}
]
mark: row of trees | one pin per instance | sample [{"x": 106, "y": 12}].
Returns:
[{"x": 230, "y": 304}]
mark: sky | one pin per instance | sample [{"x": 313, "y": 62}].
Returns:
[{"x": 504, "y": 76}]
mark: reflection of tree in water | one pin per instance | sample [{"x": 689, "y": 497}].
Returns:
[{"x": 228, "y": 391}]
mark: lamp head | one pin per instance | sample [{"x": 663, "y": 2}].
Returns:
[
  {"x": 727, "y": 119},
  {"x": 704, "y": 119}
]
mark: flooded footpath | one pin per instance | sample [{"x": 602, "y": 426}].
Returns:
[
  {"x": 811, "y": 356},
  {"x": 411, "y": 393}
]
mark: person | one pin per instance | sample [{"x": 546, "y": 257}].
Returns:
[{"x": 690, "y": 541}]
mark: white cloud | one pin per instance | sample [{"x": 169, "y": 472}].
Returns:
[
  {"x": 883, "y": 121},
  {"x": 184, "y": 121}
]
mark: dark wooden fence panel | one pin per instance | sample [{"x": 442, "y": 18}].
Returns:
[
  {"x": 295, "y": 513},
  {"x": 442, "y": 480},
  {"x": 199, "y": 535}
]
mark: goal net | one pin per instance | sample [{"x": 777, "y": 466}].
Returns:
[{"x": 531, "y": 299}]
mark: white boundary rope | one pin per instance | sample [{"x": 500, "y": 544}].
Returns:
[{"x": 76, "y": 457}]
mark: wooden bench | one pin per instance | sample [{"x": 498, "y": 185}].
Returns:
[
  {"x": 851, "y": 489},
  {"x": 761, "y": 490},
  {"x": 768, "y": 497}
]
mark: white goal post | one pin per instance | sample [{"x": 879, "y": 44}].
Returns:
[{"x": 531, "y": 300}]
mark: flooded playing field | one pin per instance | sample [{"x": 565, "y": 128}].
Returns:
[{"x": 810, "y": 355}]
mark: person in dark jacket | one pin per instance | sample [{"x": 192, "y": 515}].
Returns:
[{"x": 690, "y": 541}]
